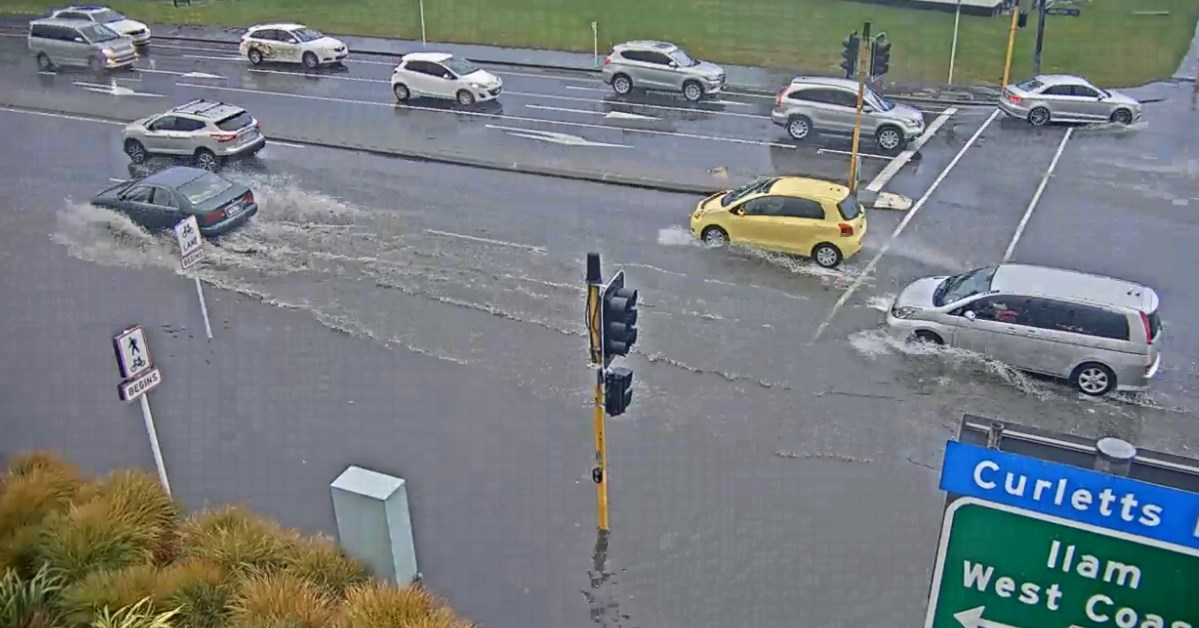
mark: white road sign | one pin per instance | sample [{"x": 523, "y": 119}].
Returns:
[
  {"x": 131, "y": 389},
  {"x": 191, "y": 244},
  {"x": 133, "y": 354}
]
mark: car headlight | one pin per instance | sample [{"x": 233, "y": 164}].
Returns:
[
  {"x": 479, "y": 86},
  {"x": 107, "y": 52},
  {"x": 914, "y": 123},
  {"x": 905, "y": 312}
]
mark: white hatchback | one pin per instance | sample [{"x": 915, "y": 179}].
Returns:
[
  {"x": 291, "y": 43},
  {"x": 442, "y": 75}
]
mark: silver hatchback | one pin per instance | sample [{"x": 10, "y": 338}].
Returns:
[
  {"x": 209, "y": 132},
  {"x": 661, "y": 66},
  {"x": 1066, "y": 98},
  {"x": 828, "y": 106},
  {"x": 1100, "y": 333}
]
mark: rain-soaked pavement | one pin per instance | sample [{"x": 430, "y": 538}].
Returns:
[{"x": 760, "y": 479}]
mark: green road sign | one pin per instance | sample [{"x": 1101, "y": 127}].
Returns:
[{"x": 1004, "y": 567}]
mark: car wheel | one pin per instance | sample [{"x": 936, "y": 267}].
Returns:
[
  {"x": 1122, "y": 116},
  {"x": 714, "y": 236},
  {"x": 826, "y": 255},
  {"x": 465, "y": 98},
  {"x": 310, "y": 61},
  {"x": 1093, "y": 379},
  {"x": 889, "y": 139},
  {"x": 255, "y": 56},
  {"x": 622, "y": 84},
  {"x": 43, "y": 62},
  {"x": 693, "y": 91},
  {"x": 926, "y": 337},
  {"x": 401, "y": 92},
  {"x": 1038, "y": 116},
  {"x": 799, "y": 128},
  {"x": 207, "y": 160},
  {"x": 135, "y": 150}
]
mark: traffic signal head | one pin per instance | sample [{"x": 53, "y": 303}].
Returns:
[
  {"x": 618, "y": 390},
  {"x": 880, "y": 56},
  {"x": 849, "y": 54},
  {"x": 1022, "y": 19},
  {"x": 619, "y": 327}
]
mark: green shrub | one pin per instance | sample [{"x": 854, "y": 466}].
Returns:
[
  {"x": 25, "y": 503},
  {"x": 83, "y": 602},
  {"x": 29, "y": 603},
  {"x": 138, "y": 615},
  {"x": 86, "y": 539},
  {"x": 321, "y": 562},
  {"x": 136, "y": 497},
  {"x": 282, "y": 600},
  {"x": 201, "y": 591},
  {"x": 237, "y": 540}
]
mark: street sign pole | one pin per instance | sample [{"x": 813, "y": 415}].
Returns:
[
  {"x": 1011, "y": 45},
  {"x": 148, "y": 417},
  {"x": 599, "y": 473},
  {"x": 864, "y": 66},
  {"x": 191, "y": 251},
  {"x": 953, "y": 49},
  {"x": 1042, "y": 6},
  {"x": 138, "y": 377},
  {"x": 423, "y": 40}
]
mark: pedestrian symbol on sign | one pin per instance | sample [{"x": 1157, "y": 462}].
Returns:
[{"x": 133, "y": 355}]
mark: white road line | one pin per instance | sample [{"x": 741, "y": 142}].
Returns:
[
  {"x": 116, "y": 180},
  {"x": 48, "y": 73},
  {"x": 1011, "y": 247},
  {"x": 730, "y": 102},
  {"x": 271, "y": 142},
  {"x": 527, "y": 247},
  {"x": 493, "y": 116},
  {"x": 586, "y": 89},
  {"x": 153, "y": 71},
  {"x": 61, "y": 116},
  {"x": 847, "y": 152},
  {"x": 903, "y": 158},
  {"x": 565, "y": 110},
  {"x": 323, "y": 76},
  {"x": 213, "y": 58},
  {"x": 715, "y": 102},
  {"x": 899, "y": 228}
]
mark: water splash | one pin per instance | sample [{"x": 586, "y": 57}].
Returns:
[
  {"x": 677, "y": 236},
  {"x": 880, "y": 302}
]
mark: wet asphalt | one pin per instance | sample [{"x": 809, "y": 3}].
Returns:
[{"x": 760, "y": 479}]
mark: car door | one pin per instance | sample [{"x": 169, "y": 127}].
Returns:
[
  {"x": 287, "y": 47},
  {"x": 1090, "y": 102},
  {"x": 264, "y": 41},
  {"x": 1061, "y": 102},
  {"x": 803, "y": 225},
  {"x": 163, "y": 210},
  {"x": 163, "y": 136},
  {"x": 135, "y": 203},
  {"x": 845, "y": 109},
  {"x": 988, "y": 326},
  {"x": 756, "y": 222},
  {"x": 419, "y": 78},
  {"x": 442, "y": 82},
  {"x": 71, "y": 47},
  {"x": 648, "y": 68},
  {"x": 827, "y": 115}
]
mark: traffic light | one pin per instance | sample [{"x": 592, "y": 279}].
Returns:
[
  {"x": 849, "y": 54},
  {"x": 619, "y": 323},
  {"x": 880, "y": 55},
  {"x": 618, "y": 390}
]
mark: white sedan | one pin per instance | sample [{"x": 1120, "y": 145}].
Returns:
[
  {"x": 442, "y": 75},
  {"x": 291, "y": 43},
  {"x": 133, "y": 29}
]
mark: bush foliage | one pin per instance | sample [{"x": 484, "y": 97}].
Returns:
[{"x": 116, "y": 551}]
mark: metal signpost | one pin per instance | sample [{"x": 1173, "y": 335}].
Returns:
[
  {"x": 863, "y": 67},
  {"x": 1028, "y": 542},
  {"x": 138, "y": 377},
  {"x": 191, "y": 251}
]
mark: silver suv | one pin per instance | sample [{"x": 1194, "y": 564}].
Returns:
[
  {"x": 660, "y": 66},
  {"x": 210, "y": 132},
  {"x": 828, "y": 106},
  {"x": 1100, "y": 333}
]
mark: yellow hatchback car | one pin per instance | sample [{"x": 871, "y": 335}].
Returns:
[{"x": 796, "y": 215}]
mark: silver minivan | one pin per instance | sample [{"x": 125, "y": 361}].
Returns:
[
  {"x": 1100, "y": 333},
  {"x": 58, "y": 42}
]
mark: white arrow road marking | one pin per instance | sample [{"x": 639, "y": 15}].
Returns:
[
  {"x": 973, "y": 618},
  {"x": 116, "y": 180},
  {"x": 287, "y": 144},
  {"x": 554, "y": 137},
  {"x": 714, "y": 102},
  {"x": 48, "y": 73},
  {"x": 114, "y": 90},
  {"x": 202, "y": 75},
  {"x": 540, "y": 250},
  {"x": 620, "y": 115},
  {"x": 611, "y": 115}
]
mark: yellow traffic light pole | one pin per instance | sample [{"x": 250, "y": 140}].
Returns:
[
  {"x": 599, "y": 473},
  {"x": 864, "y": 53},
  {"x": 1011, "y": 45}
]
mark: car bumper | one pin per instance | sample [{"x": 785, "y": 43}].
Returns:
[
  {"x": 910, "y": 133},
  {"x": 1013, "y": 110},
  {"x": 244, "y": 150},
  {"x": 140, "y": 40},
  {"x": 712, "y": 88},
  {"x": 230, "y": 223},
  {"x": 851, "y": 246},
  {"x": 116, "y": 63},
  {"x": 483, "y": 95},
  {"x": 335, "y": 57},
  {"x": 1139, "y": 382},
  {"x": 779, "y": 117}
]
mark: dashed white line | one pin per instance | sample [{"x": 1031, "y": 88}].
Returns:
[
  {"x": 903, "y": 158},
  {"x": 116, "y": 180},
  {"x": 857, "y": 282},
  {"x": 62, "y": 116},
  {"x": 1011, "y": 247},
  {"x": 527, "y": 247}
]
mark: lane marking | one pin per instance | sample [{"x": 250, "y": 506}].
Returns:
[
  {"x": 857, "y": 282},
  {"x": 1011, "y": 247},
  {"x": 540, "y": 250},
  {"x": 715, "y": 102},
  {"x": 213, "y": 58},
  {"x": 202, "y": 75},
  {"x": 61, "y": 116},
  {"x": 115, "y": 90},
  {"x": 48, "y": 73},
  {"x": 847, "y": 152},
  {"x": 551, "y": 136},
  {"x": 903, "y": 158},
  {"x": 494, "y": 116},
  {"x": 116, "y": 180},
  {"x": 270, "y": 142},
  {"x": 547, "y": 108},
  {"x": 610, "y": 115},
  {"x": 316, "y": 75},
  {"x": 621, "y": 115}
]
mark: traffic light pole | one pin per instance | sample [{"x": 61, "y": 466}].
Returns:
[
  {"x": 1011, "y": 45},
  {"x": 863, "y": 68},
  {"x": 1042, "y": 6},
  {"x": 599, "y": 473}
]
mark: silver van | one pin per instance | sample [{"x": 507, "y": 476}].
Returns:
[
  {"x": 59, "y": 43},
  {"x": 1100, "y": 333}
]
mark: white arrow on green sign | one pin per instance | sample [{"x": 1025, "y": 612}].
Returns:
[{"x": 1004, "y": 567}]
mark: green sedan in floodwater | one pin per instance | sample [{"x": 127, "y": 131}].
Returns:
[{"x": 161, "y": 200}]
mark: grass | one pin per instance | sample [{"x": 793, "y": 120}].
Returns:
[
  {"x": 1106, "y": 43},
  {"x": 116, "y": 552}
]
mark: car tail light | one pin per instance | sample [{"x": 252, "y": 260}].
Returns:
[
  {"x": 1014, "y": 99},
  {"x": 257, "y": 124},
  {"x": 846, "y": 230},
  {"x": 248, "y": 197},
  {"x": 224, "y": 137},
  {"x": 1148, "y": 328},
  {"x": 778, "y": 100},
  {"x": 607, "y": 60},
  {"x": 213, "y": 217}
]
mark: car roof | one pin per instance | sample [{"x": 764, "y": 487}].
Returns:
[
  {"x": 287, "y": 26},
  {"x": 435, "y": 57},
  {"x": 174, "y": 176},
  {"x": 660, "y": 46},
  {"x": 87, "y": 8},
  {"x": 1073, "y": 285},
  {"x": 62, "y": 21},
  {"x": 815, "y": 189},
  {"x": 830, "y": 81},
  {"x": 210, "y": 109}
]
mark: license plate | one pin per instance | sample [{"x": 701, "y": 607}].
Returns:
[{"x": 234, "y": 210}]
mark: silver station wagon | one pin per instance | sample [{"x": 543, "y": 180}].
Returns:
[{"x": 1100, "y": 333}]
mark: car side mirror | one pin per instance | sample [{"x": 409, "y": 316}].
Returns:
[
  {"x": 674, "y": 64},
  {"x": 740, "y": 211},
  {"x": 970, "y": 316},
  {"x": 867, "y": 109},
  {"x": 79, "y": 40}
]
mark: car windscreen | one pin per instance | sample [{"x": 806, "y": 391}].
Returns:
[
  {"x": 1031, "y": 85},
  {"x": 879, "y": 103},
  {"x": 235, "y": 122},
  {"x": 307, "y": 34},
  {"x": 849, "y": 207},
  {"x": 107, "y": 16},
  {"x": 967, "y": 284},
  {"x": 203, "y": 188},
  {"x": 683, "y": 59},
  {"x": 461, "y": 67},
  {"x": 98, "y": 33},
  {"x": 754, "y": 187}
]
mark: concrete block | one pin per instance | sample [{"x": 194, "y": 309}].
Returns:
[{"x": 374, "y": 524}]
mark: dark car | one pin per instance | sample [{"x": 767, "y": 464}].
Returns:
[{"x": 161, "y": 200}]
